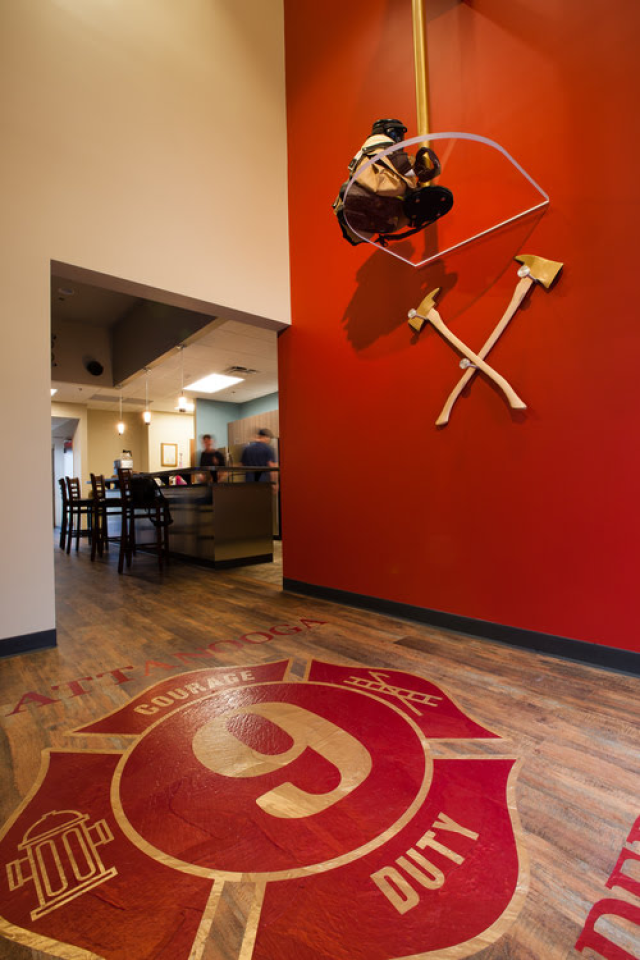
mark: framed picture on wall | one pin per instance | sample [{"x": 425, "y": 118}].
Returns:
[{"x": 169, "y": 454}]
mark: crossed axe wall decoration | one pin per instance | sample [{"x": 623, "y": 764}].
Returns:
[{"x": 533, "y": 270}]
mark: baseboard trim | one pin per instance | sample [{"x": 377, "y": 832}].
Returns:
[
  {"x": 243, "y": 561},
  {"x": 27, "y": 643},
  {"x": 223, "y": 564},
  {"x": 611, "y": 658}
]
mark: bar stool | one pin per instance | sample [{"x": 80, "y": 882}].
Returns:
[
  {"x": 103, "y": 508},
  {"x": 64, "y": 522},
  {"x": 79, "y": 507},
  {"x": 156, "y": 510}
]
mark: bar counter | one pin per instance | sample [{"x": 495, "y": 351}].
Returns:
[{"x": 220, "y": 524}]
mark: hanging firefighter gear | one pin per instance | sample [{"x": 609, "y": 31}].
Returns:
[{"x": 392, "y": 197}]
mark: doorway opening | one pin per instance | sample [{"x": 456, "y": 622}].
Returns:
[{"x": 120, "y": 350}]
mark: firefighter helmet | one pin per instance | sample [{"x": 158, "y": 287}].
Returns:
[{"x": 395, "y": 129}]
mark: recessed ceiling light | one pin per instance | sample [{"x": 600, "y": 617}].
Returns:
[
  {"x": 213, "y": 383},
  {"x": 54, "y": 390}
]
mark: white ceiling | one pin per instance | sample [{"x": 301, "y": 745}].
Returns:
[{"x": 218, "y": 346}]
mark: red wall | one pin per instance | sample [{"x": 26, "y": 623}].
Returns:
[{"x": 525, "y": 520}]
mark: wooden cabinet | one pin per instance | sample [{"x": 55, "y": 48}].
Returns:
[{"x": 243, "y": 431}]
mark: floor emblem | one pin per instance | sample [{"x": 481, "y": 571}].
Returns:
[{"x": 322, "y": 796}]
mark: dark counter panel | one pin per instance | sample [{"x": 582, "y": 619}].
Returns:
[{"x": 222, "y": 524}]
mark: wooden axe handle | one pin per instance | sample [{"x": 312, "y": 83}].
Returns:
[
  {"x": 522, "y": 288},
  {"x": 514, "y": 400}
]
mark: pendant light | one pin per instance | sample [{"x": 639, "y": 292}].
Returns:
[
  {"x": 146, "y": 416},
  {"x": 121, "y": 425},
  {"x": 182, "y": 400}
]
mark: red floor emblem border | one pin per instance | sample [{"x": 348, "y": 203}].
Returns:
[{"x": 323, "y": 793}]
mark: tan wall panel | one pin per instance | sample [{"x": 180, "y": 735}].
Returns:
[{"x": 127, "y": 151}]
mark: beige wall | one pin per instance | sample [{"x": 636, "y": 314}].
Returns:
[
  {"x": 132, "y": 133},
  {"x": 170, "y": 428},
  {"x": 106, "y": 445}
]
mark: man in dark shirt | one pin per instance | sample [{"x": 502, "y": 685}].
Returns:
[
  {"x": 260, "y": 453},
  {"x": 210, "y": 457}
]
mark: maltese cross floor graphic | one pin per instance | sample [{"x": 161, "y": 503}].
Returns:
[{"x": 320, "y": 797}]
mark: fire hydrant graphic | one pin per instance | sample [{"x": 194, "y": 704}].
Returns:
[{"x": 61, "y": 859}]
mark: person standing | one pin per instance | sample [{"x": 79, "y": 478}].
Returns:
[
  {"x": 260, "y": 453},
  {"x": 210, "y": 457}
]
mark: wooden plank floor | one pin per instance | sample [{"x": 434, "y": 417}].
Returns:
[{"x": 572, "y": 728}]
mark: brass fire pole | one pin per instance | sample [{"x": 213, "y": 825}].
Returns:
[{"x": 421, "y": 59}]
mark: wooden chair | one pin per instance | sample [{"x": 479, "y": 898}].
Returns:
[
  {"x": 103, "y": 508},
  {"x": 64, "y": 522},
  {"x": 79, "y": 507},
  {"x": 157, "y": 513}
]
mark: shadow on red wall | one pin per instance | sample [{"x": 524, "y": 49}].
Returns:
[{"x": 464, "y": 277}]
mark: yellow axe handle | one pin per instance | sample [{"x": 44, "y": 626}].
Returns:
[
  {"x": 514, "y": 400},
  {"x": 522, "y": 288}
]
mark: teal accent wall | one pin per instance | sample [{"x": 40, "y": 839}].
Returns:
[{"x": 213, "y": 416}]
